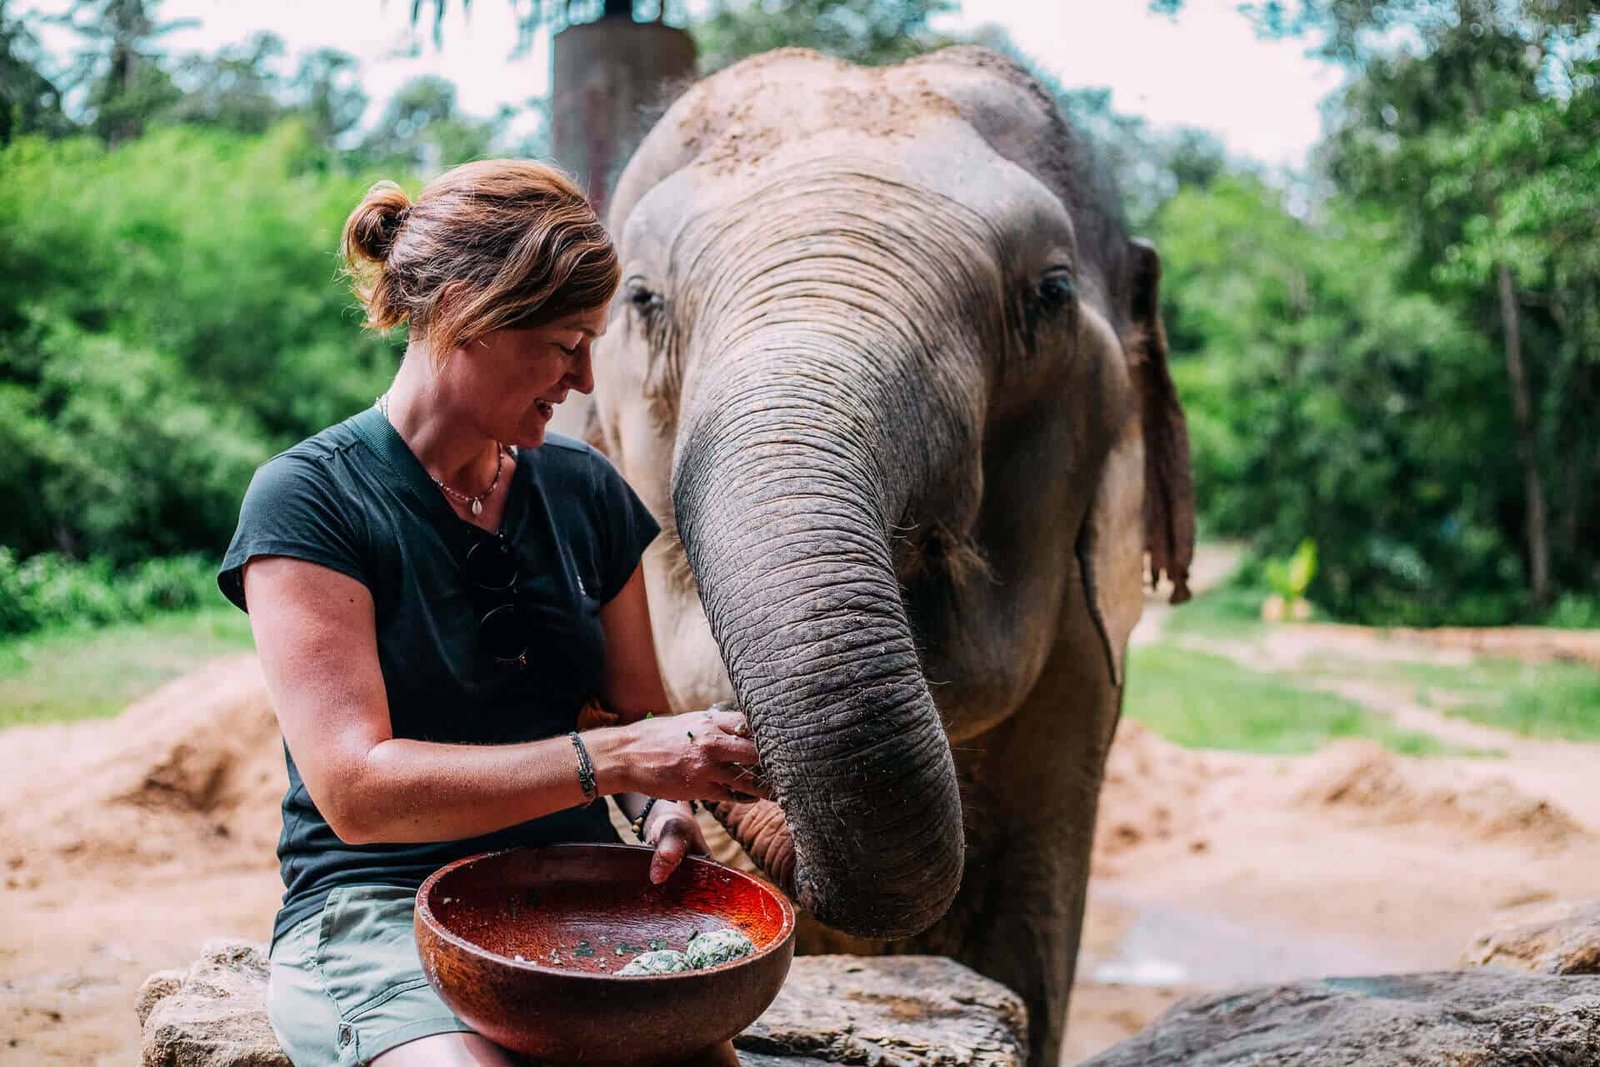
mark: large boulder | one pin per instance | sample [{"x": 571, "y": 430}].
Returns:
[
  {"x": 1458, "y": 1018},
  {"x": 907, "y": 1011},
  {"x": 1561, "y": 938},
  {"x": 215, "y": 1014}
]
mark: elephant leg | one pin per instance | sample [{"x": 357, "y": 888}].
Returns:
[
  {"x": 1032, "y": 805},
  {"x": 1030, "y": 788}
]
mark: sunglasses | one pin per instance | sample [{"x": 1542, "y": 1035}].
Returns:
[{"x": 492, "y": 571}]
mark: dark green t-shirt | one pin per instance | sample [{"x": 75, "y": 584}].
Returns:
[{"x": 355, "y": 499}]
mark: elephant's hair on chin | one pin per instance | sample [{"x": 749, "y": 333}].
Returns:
[{"x": 942, "y": 551}]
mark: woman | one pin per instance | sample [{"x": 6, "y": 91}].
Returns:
[{"x": 436, "y": 589}]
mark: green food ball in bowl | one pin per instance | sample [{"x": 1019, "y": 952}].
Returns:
[
  {"x": 717, "y": 947},
  {"x": 660, "y": 961}
]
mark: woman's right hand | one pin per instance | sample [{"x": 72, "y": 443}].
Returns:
[{"x": 702, "y": 755}]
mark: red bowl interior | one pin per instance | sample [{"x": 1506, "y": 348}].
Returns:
[{"x": 589, "y": 909}]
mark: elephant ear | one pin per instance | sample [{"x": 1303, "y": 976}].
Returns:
[
  {"x": 1168, "y": 481},
  {"x": 1144, "y": 502},
  {"x": 1110, "y": 547}
]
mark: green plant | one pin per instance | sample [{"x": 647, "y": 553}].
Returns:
[
  {"x": 49, "y": 590},
  {"x": 1575, "y": 612},
  {"x": 1290, "y": 578}
]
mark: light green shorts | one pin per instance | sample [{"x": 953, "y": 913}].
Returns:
[{"x": 347, "y": 985}]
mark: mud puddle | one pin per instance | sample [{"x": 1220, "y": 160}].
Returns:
[{"x": 1132, "y": 942}]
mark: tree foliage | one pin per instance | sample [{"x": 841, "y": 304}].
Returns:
[
  {"x": 871, "y": 32},
  {"x": 170, "y": 312},
  {"x": 170, "y": 315},
  {"x": 1467, "y": 132},
  {"x": 30, "y": 100},
  {"x": 1327, "y": 401},
  {"x": 422, "y": 129}
]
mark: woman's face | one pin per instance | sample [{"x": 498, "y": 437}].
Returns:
[{"x": 509, "y": 381}]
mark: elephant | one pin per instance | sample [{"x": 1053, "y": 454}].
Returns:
[{"x": 889, "y": 371}]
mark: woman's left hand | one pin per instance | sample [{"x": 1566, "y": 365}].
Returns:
[{"x": 673, "y": 832}]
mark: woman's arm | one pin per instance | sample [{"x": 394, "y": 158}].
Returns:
[{"x": 317, "y": 639}]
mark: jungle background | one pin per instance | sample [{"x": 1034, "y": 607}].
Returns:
[
  {"x": 1389, "y": 359},
  {"x": 1392, "y": 354}
]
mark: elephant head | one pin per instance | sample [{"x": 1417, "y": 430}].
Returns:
[{"x": 889, "y": 371}]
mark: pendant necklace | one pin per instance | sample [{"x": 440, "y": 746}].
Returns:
[{"x": 474, "y": 503}]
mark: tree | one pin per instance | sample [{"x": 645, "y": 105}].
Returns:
[
  {"x": 1327, "y": 400},
  {"x": 30, "y": 101},
  {"x": 236, "y": 89},
  {"x": 421, "y": 129},
  {"x": 871, "y": 32},
  {"x": 119, "y": 65},
  {"x": 1434, "y": 132},
  {"x": 169, "y": 317},
  {"x": 1471, "y": 123},
  {"x": 325, "y": 88}
]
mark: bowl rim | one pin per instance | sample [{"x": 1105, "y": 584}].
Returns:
[{"x": 425, "y": 914}]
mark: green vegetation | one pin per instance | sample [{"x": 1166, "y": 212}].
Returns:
[
  {"x": 1203, "y": 700},
  {"x": 1187, "y": 688},
  {"x": 1545, "y": 700},
  {"x": 49, "y": 590},
  {"x": 861, "y": 31},
  {"x": 63, "y": 674},
  {"x": 1393, "y": 356},
  {"x": 1232, "y": 611},
  {"x": 170, "y": 308},
  {"x": 1405, "y": 369}
]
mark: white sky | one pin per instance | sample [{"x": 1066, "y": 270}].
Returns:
[{"x": 1205, "y": 68}]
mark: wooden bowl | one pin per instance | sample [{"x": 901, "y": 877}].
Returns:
[{"x": 522, "y": 945}]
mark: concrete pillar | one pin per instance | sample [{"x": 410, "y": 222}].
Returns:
[{"x": 605, "y": 72}]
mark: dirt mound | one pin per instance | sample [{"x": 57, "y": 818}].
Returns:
[
  {"x": 193, "y": 771},
  {"x": 1363, "y": 778},
  {"x": 1150, "y": 792}
]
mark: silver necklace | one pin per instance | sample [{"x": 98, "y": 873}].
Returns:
[{"x": 474, "y": 503}]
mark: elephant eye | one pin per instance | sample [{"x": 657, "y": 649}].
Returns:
[
  {"x": 1057, "y": 288},
  {"x": 645, "y": 301}
]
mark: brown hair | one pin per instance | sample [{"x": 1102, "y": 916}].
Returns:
[{"x": 487, "y": 245}]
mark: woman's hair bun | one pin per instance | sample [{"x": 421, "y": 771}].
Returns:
[
  {"x": 490, "y": 244},
  {"x": 371, "y": 230}
]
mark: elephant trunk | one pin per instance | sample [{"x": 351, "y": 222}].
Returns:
[{"x": 783, "y": 500}]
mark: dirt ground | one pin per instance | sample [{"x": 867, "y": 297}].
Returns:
[{"x": 127, "y": 843}]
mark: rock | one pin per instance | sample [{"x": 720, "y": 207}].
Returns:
[
  {"x": 898, "y": 1011},
  {"x": 1459, "y": 1018},
  {"x": 908, "y": 1011},
  {"x": 1559, "y": 938},
  {"x": 213, "y": 1016},
  {"x": 156, "y": 988}
]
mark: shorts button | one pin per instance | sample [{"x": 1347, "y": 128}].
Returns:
[{"x": 344, "y": 1035}]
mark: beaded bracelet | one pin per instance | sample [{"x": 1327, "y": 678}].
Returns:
[
  {"x": 585, "y": 768},
  {"x": 638, "y": 820}
]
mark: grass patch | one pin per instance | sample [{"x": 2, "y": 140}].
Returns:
[
  {"x": 1201, "y": 700},
  {"x": 73, "y": 673},
  {"x": 1558, "y": 701},
  {"x": 1229, "y": 611}
]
